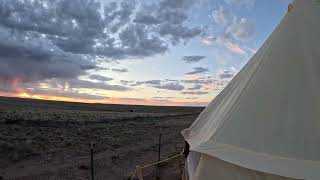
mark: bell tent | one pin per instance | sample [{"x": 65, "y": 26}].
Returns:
[{"x": 265, "y": 125}]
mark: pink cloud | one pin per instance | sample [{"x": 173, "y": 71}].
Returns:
[
  {"x": 231, "y": 46},
  {"x": 235, "y": 48}
]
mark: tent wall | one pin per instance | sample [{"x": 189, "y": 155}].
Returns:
[
  {"x": 267, "y": 118},
  {"x": 211, "y": 168}
]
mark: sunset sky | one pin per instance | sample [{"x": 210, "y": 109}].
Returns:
[{"x": 154, "y": 52}]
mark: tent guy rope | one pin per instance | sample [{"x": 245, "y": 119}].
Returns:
[{"x": 139, "y": 168}]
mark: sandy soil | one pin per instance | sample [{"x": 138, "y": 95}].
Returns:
[{"x": 50, "y": 140}]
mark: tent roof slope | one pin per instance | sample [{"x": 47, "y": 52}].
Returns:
[{"x": 268, "y": 117}]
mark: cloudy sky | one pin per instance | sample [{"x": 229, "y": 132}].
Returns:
[{"x": 163, "y": 52}]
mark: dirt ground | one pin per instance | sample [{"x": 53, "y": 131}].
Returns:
[{"x": 50, "y": 140}]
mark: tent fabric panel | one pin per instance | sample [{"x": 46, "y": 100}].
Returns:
[
  {"x": 278, "y": 113},
  {"x": 293, "y": 168},
  {"x": 210, "y": 168}
]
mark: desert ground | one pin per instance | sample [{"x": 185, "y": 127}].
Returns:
[{"x": 51, "y": 140}]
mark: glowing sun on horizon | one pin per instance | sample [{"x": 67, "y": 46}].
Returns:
[{"x": 24, "y": 95}]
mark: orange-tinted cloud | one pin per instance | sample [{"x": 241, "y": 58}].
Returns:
[{"x": 235, "y": 48}]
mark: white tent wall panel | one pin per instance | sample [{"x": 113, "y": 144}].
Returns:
[{"x": 211, "y": 168}]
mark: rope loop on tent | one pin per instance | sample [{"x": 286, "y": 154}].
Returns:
[{"x": 139, "y": 168}]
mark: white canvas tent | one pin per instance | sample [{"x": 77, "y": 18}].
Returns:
[{"x": 265, "y": 125}]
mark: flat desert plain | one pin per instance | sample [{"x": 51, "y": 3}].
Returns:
[{"x": 51, "y": 140}]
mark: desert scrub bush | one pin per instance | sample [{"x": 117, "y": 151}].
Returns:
[
  {"x": 115, "y": 158},
  {"x": 16, "y": 153}
]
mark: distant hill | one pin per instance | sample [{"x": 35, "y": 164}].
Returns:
[{"x": 8, "y": 102}]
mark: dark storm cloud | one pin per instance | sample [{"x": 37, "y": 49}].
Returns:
[
  {"x": 78, "y": 26},
  {"x": 198, "y": 81},
  {"x": 118, "y": 14},
  {"x": 126, "y": 82},
  {"x": 161, "y": 84},
  {"x": 102, "y": 68},
  {"x": 100, "y": 78},
  {"x": 172, "y": 80},
  {"x": 168, "y": 18},
  {"x": 176, "y": 4},
  {"x": 33, "y": 58},
  {"x": 171, "y": 11},
  {"x": 60, "y": 39},
  {"x": 76, "y": 83},
  {"x": 198, "y": 70},
  {"x": 195, "y": 87},
  {"x": 150, "y": 82},
  {"x": 191, "y": 59},
  {"x": 122, "y": 70},
  {"x": 146, "y": 19},
  {"x": 170, "y": 86},
  {"x": 176, "y": 33},
  {"x": 226, "y": 74}
]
